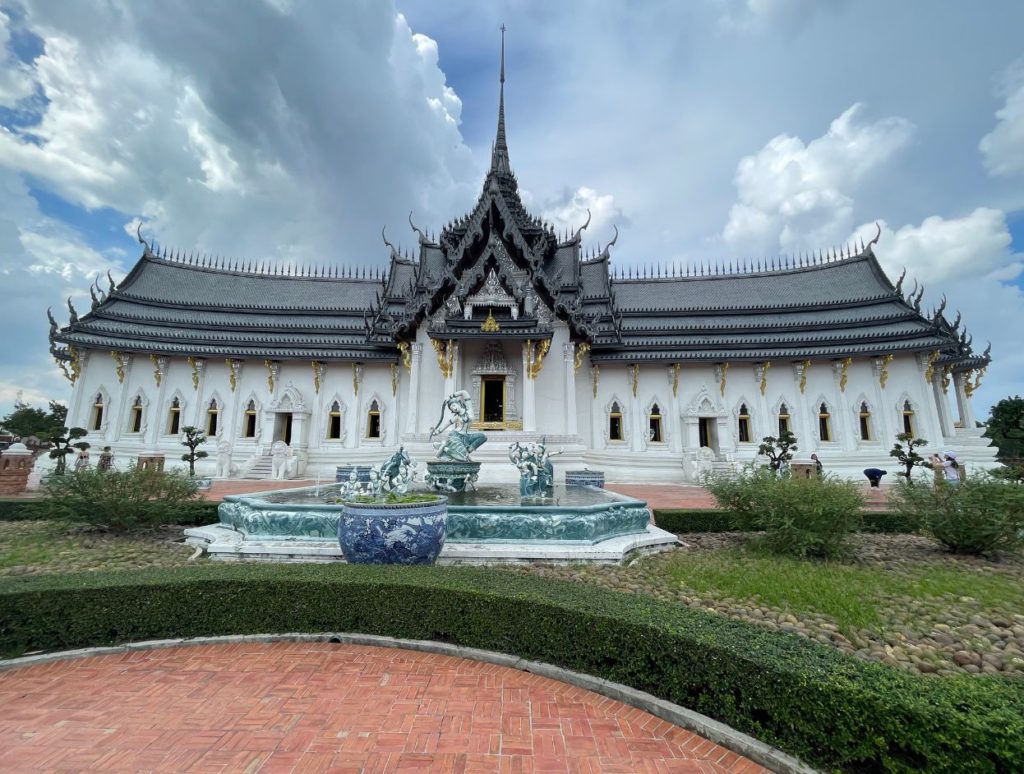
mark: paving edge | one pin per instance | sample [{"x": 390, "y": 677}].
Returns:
[{"x": 719, "y": 733}]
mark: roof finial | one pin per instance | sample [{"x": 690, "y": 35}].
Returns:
[{"x": 499, "y": 154}]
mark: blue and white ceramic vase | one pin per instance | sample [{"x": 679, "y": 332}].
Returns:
[{"x": 403, "y": 533}]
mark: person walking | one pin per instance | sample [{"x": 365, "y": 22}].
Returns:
[
  {"x": 947, "y": 464},
  {"x": 82, "y": 460}
]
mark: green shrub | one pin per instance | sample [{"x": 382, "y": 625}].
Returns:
[
  {"x": 17, "y": 510},
  {"x": 687, "y": 520},
  {"x": 800, "y": 516},
  {"x": 117, "y": 500},
  {"x": 713, "y": 520},
  {"x": 979, "y": 515},
  {"x": 830, "y": 709}
]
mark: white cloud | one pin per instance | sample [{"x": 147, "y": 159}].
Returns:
[
  {"x": 1003, "y": 147},
  {"x": 970, "y": 261},
  {"x": 568, "y": 211},
  {"x": 758, "y": 15},
  {"x": 237, "y": 152},
  {"x": 794, "y": 196},
  {"x": 944, "y": 250},
  {"x": 15, "y": 78}
]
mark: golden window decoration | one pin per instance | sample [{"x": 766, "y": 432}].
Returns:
[
  {"x": 212, "y": 418},
  {"x": 783, "y": 420},
  {"x": 98, "y": 407},
  {"x": 743, "y": 424},
  {"x": 373, "y": 421},
  {"x": 615, "y": 430},
  {"x": 908, "y": 418},
  {"x": 135, "y": 416},
  {"x": 654, "y": 429},
  {"x": 334, "y": 422},
  {"x": 249, "y": 420},
  {"x": 864, "y": 417},
  {"x": 824, "y": 423},
  {"x": 174, "y": 418}
]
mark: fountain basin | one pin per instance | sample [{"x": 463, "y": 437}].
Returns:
[{"x": 571, "y": 516}]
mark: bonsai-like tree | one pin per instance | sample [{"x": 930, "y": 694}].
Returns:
[
  {"x": 779, "y": 451},
  {"x": 907, "y": 455},
  {"x": 193, "y": 439},
  {"x": 65, "y": 442}
]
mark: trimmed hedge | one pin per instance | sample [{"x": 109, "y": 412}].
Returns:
[
  {"x": 680, "y": 520},
  {"x": 192, "y": 514},
  {"x": 810, "y": 700}
]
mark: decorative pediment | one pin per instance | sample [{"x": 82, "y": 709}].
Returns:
[
  {"x": 704, "y": 404},
  {"x": 492, "y": 294}
]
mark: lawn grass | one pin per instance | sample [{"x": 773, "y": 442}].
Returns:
[
  {"x": 855, "y": 596},
  {"x": 54, "y": 547}
]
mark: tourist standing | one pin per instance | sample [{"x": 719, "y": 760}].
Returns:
[
  {"x": 106, "y": 459},
  {"x": 817, "y": 464},
  {"x": 947, "y": 464},
  {"x": 82, "y": 460}
]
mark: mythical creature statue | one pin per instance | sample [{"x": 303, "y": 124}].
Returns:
[
  {"x": 536, "y": 473},
  {"x": 460, "y": 442},
  {"x": 394, "y": 475}
]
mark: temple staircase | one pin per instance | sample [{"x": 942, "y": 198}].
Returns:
[{"x": 261, "y": 469}]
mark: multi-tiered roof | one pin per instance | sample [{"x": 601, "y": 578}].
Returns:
[{"x": 824, "y": 306}]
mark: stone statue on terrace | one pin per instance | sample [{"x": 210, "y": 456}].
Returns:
[{"x": 461, "y": 441}]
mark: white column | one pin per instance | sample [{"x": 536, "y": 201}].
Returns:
[
  {"x": 569, "y": 366},
  {"x": 451, "y": 381},
  {"x": 942, "y": 405},
  {"x": 963, "y": 402},
  {"x": 882, "y": 415},
  {"x": 234, "y": 416},
  {"x": 844, "y": 426},
  {"x": 77, "y": 390},
  {"x": 355, "y": 415},
  {"x": 200, "y": 389},
  {"x": 802, "y": 427},
  {"x": 638, "y": 436},
  {"x": 157, "y": 420},
  {"x": 316, "y": 421},
  {"x": 671, "y": 418},
  {"x": 119, "y": 417},
  {"x": 529, "y": 398},
  {"x": 416, "y": 357},
  {"x": 768, "y": 424}
]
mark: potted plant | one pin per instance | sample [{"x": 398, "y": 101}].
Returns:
[
  {"x": 393, "y": 529},
  {"x": 192, "y": 439}
]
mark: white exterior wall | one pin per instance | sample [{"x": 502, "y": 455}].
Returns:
[{"x": 408, "y": 415}]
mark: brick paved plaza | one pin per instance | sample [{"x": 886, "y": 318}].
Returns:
[{"x": 298, "y": 707}]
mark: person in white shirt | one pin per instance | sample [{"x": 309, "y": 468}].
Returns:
[{"x": 947, "y": 464}]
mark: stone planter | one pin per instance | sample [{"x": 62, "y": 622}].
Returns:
[
  {"x": 585, "y": 478},
  {"x": 203, "y": 482},
  {"x": 403, "y": 533}
]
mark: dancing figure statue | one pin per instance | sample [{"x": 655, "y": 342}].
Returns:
[
  {"x": 536, "y": 473},
  {"x": 394, "y": 475},
  {"x": 460, "y": 442}
]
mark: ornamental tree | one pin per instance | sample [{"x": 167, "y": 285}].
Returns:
[
  {"x": 907, "y": 454},
  {"x": 1005, "y": 426},
  {"x": 65, "y": 442},
  {"x": 193, "y": 438},
  {"x": 779, "y": 450}
]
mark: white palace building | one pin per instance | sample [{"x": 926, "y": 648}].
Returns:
[{"x": 652, "y": 377}]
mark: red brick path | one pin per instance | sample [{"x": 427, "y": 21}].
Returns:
[{"x": 300, "y": 707}]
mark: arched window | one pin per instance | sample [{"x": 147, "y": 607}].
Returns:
[
  {"x": 174, "y": 418},
  {"x": 334, "y": 422},
  {"x": 908, "y": 418},
  {"x": 783, "y": 420},
  {"x": 212, "y": 417},
  {"x": 249, "y": 421},
  {"x": 615, "y": 423},
  {"x": 373, "y": 420},
  {"x": 743, "y": 424},
  {"x": 97, "y": 412},
  {"x": 654, "y": 425},
  {"x": 824, "y": 423},
  {"x": 865, "y": 421},
  {"x": 135, "y": 417}
]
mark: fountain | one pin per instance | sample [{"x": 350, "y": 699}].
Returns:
[{"x": 539, "y": 520}]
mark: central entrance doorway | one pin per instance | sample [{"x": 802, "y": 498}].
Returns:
[
  {"x": 283, "y": 427},
  {"x": 492, "y": 399},
  {"x": 707, "y": 433}
]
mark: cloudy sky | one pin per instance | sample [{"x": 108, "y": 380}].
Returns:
[{"x": 707, "y": 130}]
